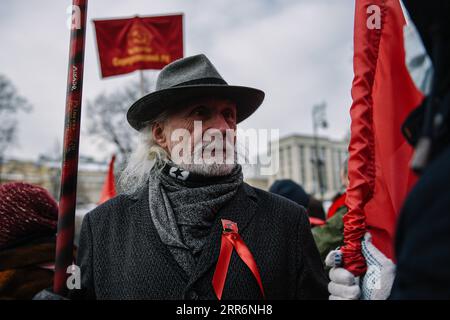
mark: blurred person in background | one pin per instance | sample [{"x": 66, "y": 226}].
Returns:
[
  {"x": 331, "y": 235},
  {"x": 422, "y": 243},
  {"x": 293, "y": 191},
  {"x": 28, "y": 220}
]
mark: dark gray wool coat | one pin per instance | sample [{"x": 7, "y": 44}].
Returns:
[{"x": 122, "y": 257}]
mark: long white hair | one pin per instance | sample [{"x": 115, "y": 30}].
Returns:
[{"x": 146, "y": 155}]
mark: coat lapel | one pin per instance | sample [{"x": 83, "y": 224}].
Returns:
[
  {"x": 240, "y": 209},
  {"x": 141, "y": 210}
]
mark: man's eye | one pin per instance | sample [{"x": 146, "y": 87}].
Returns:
[
  {"x": 199, "y": 111},
  {"x": 228, "y": 114}
]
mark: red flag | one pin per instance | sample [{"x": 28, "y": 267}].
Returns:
[
  {"x": 126, "y": 45},
  {"x": 383, "y": 95},
  {"x": 109, "y": 187}
]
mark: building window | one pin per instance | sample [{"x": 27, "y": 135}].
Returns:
[
  {"x": 302, "y": 177},
  {"x": 337, "y": 168},
  {"x": 281, "y": 171},
  {"x": 323, "y": 168}
]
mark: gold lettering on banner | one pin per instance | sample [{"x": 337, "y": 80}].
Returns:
[
  {"x": 128, "y": 61},
  {"x": 136, "y": 50}
]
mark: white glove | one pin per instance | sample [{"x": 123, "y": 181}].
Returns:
[
  {"x": 343, "y": 284},
  {"x": 380, "y": 274}
]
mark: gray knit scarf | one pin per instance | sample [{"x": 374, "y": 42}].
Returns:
[{"x": 183, "y": 207}]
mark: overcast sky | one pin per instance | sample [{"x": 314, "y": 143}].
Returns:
[{"x": 298, "y": 51}]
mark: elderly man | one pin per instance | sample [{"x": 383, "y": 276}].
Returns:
[{"x": 187, "y": 229}]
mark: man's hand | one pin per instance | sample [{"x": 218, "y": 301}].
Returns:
[
  {"x": 47, "y": 294},
  {"x": 343, "y": 284}
]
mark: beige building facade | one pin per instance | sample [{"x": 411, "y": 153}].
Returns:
[
  {"x": 46, "y": 173},
  {"x": 297, "y": 159}
]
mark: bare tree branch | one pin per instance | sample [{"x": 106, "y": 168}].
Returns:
[
  {"x": 10, "y": 104},
  {"x": 106, "y": 121}
]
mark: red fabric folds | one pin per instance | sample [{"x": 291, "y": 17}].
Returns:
[
  {"x": 383, "y": 95},
  {"x": 109, "y": 187},
  {"x": 231, "y": 239}
]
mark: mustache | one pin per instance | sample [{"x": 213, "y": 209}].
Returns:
[{"x": 215, "y": 145}]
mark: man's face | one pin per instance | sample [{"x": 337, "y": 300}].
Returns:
[{"x": 218, "y": 122}]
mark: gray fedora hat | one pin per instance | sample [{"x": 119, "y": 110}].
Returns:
[{"x": 189, "y": 78}]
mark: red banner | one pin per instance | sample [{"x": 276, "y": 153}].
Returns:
[
  {"x": 126, "y": 45},
  {"x": 383, "y": 95}
]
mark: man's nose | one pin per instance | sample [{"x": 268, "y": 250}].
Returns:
[{"x": 218, "y": 122}]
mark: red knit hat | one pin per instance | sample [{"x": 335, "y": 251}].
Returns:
[{"x": 26, "y": 211}]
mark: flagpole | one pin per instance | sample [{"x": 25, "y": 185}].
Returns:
[
  {"x": 67, "y": 203},
  {"x": 141, "y": 76}
]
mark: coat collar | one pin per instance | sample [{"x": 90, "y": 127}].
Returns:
[{"x": 240, "y": 209}]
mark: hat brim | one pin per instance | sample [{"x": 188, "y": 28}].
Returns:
[{"x": 150, "y": 106}]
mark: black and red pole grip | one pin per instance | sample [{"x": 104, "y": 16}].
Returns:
[{"x": 67, "y": 203}]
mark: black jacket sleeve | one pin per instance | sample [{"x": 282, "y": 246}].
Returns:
[{"x": 85, "y": 263}]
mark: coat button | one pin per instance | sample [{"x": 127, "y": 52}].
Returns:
[{"x": 193, "y": 295}]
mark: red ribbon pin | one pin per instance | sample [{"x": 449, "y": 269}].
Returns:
[{"x": 230, "y": 239}]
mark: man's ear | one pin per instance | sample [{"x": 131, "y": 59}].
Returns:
[{"x": 159, "y": 135}]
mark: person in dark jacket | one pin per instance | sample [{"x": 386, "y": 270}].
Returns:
[
  {"x": 28, "y": 217},
  {"x": 161, "y": 238},
  {"x": 293, "y": 191},
  {"x": 423, "y": 233},
  {"x": 330, "y": 235}
]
